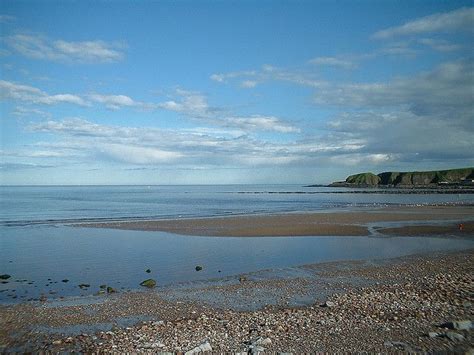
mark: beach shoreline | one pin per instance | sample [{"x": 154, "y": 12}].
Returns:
[
  {"x": 400, "y": 306},
  {"x": 411, "y": 220}
]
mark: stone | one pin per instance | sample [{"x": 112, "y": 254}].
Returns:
[
  {"x": 328, "y": 304},
  {"x": 458, "y": 325},
  {"x": 150, "y": 283},
  {"x": 453, "y": 336},
  {"x": 433, "y": 334},
  {"x": 205, "y": 346},
  {"x": 263, "y": 341}
]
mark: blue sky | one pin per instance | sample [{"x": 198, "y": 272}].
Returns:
[{"x": 206, "y": 92}]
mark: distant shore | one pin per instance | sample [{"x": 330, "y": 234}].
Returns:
[{"x": 409, "y": 221}]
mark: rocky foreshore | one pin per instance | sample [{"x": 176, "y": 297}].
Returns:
[{"x": 412, "y": 304}]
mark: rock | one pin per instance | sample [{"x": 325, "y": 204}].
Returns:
[
  {"x": 458, "y": 325},
  {"x": 263, "y": 341},
  {"x": 43, "y": 298},
  {"x": 397, "y": 344},
  {"x": 255, "y": 349},
  {"x": 198, "y": 268},
  {"x": 328, "y": 304},
  {"x": 147, "y": 271},
  {"x": 205, "y": 346},
  {"x": 111, "y": 290},
  {"x": 433, "y": 334},
  {"x": 150, "y": 283},
  {"x": 153, "y": 345},
  {"x": 57, "y": 342},
  {"x": 454, "y": 336},
  {"x": 4, "y": 277}
]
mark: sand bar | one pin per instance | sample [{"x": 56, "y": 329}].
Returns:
[{"x": 445, "y": 220}]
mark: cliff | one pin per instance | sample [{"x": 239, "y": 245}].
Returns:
[{"x": 410, "y": 179}]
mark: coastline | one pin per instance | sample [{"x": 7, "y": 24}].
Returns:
[
  {"x": 383, "y": 306},
  {"x": 434, "y": 220}
]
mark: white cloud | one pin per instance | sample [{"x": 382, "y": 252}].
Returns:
[
  {"x": 248, "y": 84},
  {"x": 153, "y": 146},
  {"x": 29, "y": 94},
  {"x": 114, "y": 102},
  {"x": 40, "y": 47},
  {"x": 269, "y": 73},
  {"x": 21, "y": 111},
  {"x": 332, "y": 61},
  {"x": 222, "y": 78},
  {"x": 139, "y": 155},
  {"x": 7, "y": 18},
  {"x": 458, "y": 20},
  {"x": 439, "y": 45},
  {"x": 195, "y": 106},
  {"x": 189, "y": 103},
  {"x": 265, "y": 123},
  {"x": 445, "y": 90}
]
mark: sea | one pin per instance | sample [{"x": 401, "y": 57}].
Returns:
[{"x": 46, "y": 256}]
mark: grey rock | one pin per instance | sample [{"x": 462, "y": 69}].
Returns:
[
  {"x": 433, "y": 334},
  {"x": 205, "y": 346},
  {"x": 328, "y": 304},
  {"x": 458, "y": 325},
  {"x": 453, "y": 336},
  {"x": 255, "y": 349},
  {"x": 263, "y": 341}
]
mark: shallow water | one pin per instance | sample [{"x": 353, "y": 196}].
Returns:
[{"x": 34, "y": 254}]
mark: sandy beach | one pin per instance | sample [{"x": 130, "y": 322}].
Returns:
[{"x": 411, "y": 220}]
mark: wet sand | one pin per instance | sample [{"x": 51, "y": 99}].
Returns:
[{"x": 435, "y": 220}]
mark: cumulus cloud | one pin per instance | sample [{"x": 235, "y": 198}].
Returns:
[
  {"x": 114, "y": 102},
  {"x": 333, "y": 62},
  {"x": 139, "y": 155},
  {"x": 152, "y": 146},
  {"x": 404, "y": 136},
  {"x": 445, "y": 90},
  {"x": 439, "y": 45},
  {"x": 7, "y": 18},
  {"x": 195, "y": 106},
  {"x": 457, "y": 20},
  {"x": 251, "y": 78},
  {"x": 30, "y": 94},
  {"x": 40, "y": 47},
  {"x": 265, "y": 123}
]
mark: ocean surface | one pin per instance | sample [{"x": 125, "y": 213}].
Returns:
[
  {"x": 25, "y": 205},
  {"x": 39, "y": 250}
]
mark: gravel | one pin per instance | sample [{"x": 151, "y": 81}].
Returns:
[{"x": 421, "y": 303}]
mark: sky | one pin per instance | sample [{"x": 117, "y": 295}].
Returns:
[{"x": 232, "y": 92}]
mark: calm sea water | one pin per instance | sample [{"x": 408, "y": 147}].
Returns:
[
  {"x": 35, "y": 204},
  {"x": 39, "y": 250}
]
